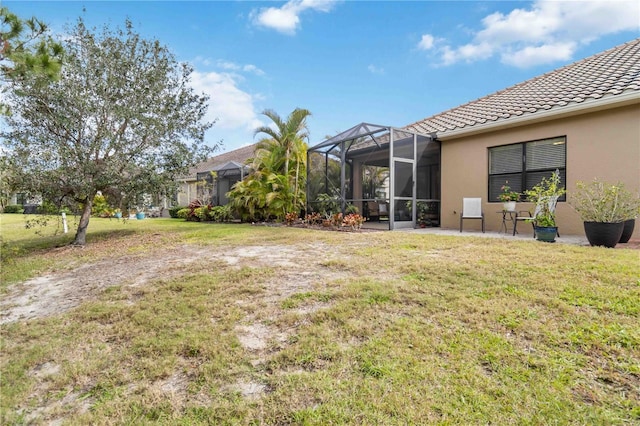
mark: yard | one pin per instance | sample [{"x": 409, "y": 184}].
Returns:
[{"x": 163, "y": 321}]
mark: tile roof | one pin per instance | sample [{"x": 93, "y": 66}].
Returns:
[
  {"x": 601, "y": 76},
  {"x": 240, "y": 155}
]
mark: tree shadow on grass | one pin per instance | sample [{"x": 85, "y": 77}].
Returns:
[{"x": 44, "y": 243}]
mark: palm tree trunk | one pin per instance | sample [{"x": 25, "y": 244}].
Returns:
[{"x": 295, "y": 194}]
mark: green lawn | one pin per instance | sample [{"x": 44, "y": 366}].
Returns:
[{"x": 241, "y": 324}]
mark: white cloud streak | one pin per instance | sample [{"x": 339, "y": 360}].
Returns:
[
  {"x": 286, "y": 19},
  {"x": 547, "y": 32},
  {"x": 375, "y": 70},
  {"x": 232, "y": 66}
]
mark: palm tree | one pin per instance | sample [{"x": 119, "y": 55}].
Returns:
[{"x": 286, "y": 139}]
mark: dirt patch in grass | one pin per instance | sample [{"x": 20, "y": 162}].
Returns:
[{"x": 57, "y": 292}]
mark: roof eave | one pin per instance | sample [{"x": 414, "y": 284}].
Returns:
[{"x": 624, "y": 99}]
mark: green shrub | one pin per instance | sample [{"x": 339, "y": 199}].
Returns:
[
  {"x": 14, "y": 208},
  {"x": 101, "y": 207},
  {"x": 173, "y": 211},
  {"x": 220, "y": 213},
  {"x": 49, "y": 207},
  {"x": 202, "y": 213},
  {"x": 599, "y": 201},
  {"x": 183, "y": 213}
]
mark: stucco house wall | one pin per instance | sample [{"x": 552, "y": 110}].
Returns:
[{"x": 602, "y": 144}]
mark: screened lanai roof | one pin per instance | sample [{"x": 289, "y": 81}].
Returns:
[
  {"x": 362, "y": 136},
  {"x": 231, "y": 168},
  {"x": 364, "y": 132},
  {"x": 231, "y": 165}
]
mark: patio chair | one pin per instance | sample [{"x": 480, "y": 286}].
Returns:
[
  {"x": 383, "y": 210},
  {"x": 472, "y": 209},
  {"x": 551, "y": 204},
  {"x": 373, "y": 211}
]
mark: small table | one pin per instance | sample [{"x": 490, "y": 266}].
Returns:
[{"x": 507, "y": 216}]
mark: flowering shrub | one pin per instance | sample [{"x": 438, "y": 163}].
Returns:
[
  {"x": 354, "y": 221},
  {"x": 508, "y": 194},
  {"x": 313, "y": 219},
  {"x": 290, "y": 218},
  {"x": 198, "y": 212},
  {"x": 336, "y": 219},
  {"x": 192, "y": 214}
]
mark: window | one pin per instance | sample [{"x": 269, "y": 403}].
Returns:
[{"x": 523, "y": 165}]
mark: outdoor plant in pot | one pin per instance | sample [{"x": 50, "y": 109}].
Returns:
[
  {"x": 508, "y": 198},
  {"x": 545, "y": 195},
  {"x": 606, "y": 209}
]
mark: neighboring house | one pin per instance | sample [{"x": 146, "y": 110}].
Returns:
[
  {"x": 583, "y": 119},
  {"x": 210, "y": 180}
]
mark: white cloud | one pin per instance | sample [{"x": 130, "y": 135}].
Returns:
[
  {"x": 536, "y": 55},
  {"x": 231, "y": 106},
  {"x": 286, "y": 19},
  {"x": 202, "y": 60},
  {"x": 466, "y": 53},
  {"x": 426, "y": 42},
  {"x": 232, "y": 66},
  {"x": 226, "y": 65},
  {"x": 375, "y": 70},
  {"x": 252, "y": 69},
  {"x": 548, "y": 31}
]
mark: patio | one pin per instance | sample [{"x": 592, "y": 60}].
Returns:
[{"x": 579, "y": 240}]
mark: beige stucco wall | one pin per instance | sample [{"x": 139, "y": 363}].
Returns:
[{"x": 604, "y": 144}]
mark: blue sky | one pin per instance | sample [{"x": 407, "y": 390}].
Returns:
[{"x": 390, "y": 63}]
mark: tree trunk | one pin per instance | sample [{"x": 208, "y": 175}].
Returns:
[
  {"x": 81, "y": 233},
  {"x": 295, "y": 194},
  {"x": 286, "y": 171}
]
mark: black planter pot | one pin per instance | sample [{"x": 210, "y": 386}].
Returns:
[
  {"x": 546, "y": 233},
  {"x": 627, "y": 231},
  {"x": 603, "y": 233}
]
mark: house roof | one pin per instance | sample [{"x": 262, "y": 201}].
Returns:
[
  {"x": 238, "y": 156},
  {"x": 591, "y": 82}
]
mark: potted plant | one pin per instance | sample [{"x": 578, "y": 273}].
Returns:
[
  {"x": 605, "y": 210},
  {"x": 545, "y": 195},
  {"x": 508, "y": 198},
  {"x": 117, "y": 213},
  {"x": 140, "y": 214},
  {"x": 427, "y": 213}
]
